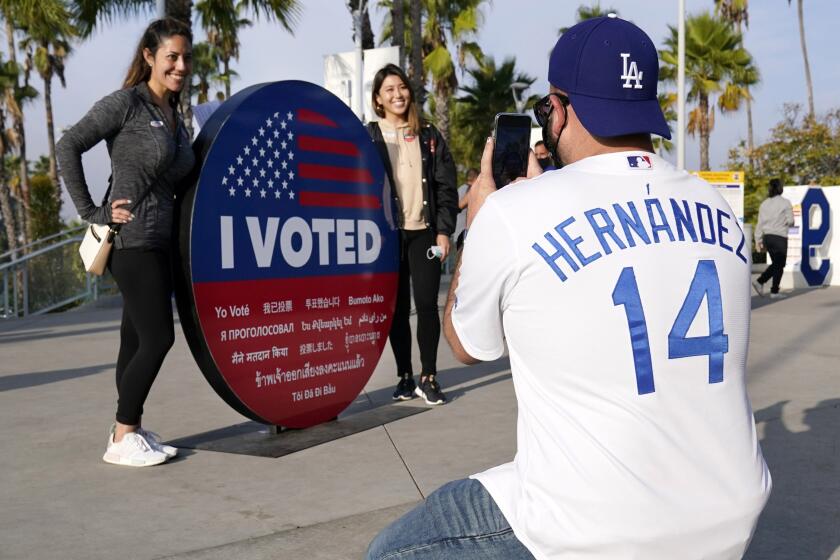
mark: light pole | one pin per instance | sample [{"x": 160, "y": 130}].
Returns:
[
  {"x": 358, "y": 107},
  {"x": 681, "y": 85},
  {"x": 517, "y": 88}
]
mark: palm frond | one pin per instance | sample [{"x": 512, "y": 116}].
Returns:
[{"x": 87, "y": 15}]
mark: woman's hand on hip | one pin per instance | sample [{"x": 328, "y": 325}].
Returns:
[{"x": 120, "y": 215}]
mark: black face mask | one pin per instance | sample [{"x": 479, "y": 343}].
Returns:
[
  {"x": 551, "y": 146},
  {"x": 544, "y": 162}
]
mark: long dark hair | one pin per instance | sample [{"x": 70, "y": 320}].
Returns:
[
  {"x": 158, "y": 31},
  {"x": 775, "y": 188},
  {"x": 394, "y": 70}
]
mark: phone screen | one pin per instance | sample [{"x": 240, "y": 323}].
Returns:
[{"x": 510, "y": 156}]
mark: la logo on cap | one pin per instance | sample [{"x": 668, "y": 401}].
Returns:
[{"x": 631, "y": 73}]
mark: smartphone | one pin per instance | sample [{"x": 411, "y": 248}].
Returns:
[{"x": 512, "y": 132}]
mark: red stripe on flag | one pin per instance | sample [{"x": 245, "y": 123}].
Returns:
[
  {"x": 325, "y": 145},
  {"x": 332, "y": 173},
  {"x": 312, "y": 117},
  {"x": 339, "y": 200}
]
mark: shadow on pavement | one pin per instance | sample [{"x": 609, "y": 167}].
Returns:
[
  {"x": 45, "y": 334},
  {"x": 802, "y": 518},
  {"x": 450, "y": 378},
  {"x": 26, "y": 380},
  {"x": 787, "y": 350},
  {"x": 757, "y": 302}
]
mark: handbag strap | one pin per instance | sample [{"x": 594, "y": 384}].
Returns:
[{"x": 116, "y": 227}]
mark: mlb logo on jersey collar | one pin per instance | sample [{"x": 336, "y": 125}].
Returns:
[{"x": 639, "y": 162}]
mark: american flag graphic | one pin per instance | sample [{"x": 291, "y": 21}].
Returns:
[{"x": 286, "y": 160}]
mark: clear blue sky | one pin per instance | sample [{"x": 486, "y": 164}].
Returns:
[{"x": 524, "y": 29}]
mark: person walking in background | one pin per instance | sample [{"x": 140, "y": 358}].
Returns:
[
  {"x": 150, "y": 152},
  {"x": 461, "y": 222},
  {"x": 775, "y": 217},
  {"x": 421, "y": 172},
  {"x": 544, "y": 156}
]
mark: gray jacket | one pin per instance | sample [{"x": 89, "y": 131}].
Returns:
[
  {"x": 775, "y": 216},
  {"x": 145, "y": 154}
]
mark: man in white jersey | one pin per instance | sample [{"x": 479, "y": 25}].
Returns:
[{"x": 622, "y": 289}]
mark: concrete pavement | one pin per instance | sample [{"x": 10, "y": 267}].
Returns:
[{"x": 59, "y": 500}]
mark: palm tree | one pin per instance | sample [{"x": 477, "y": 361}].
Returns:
[
  {"x": 799, "y": 13},
  {"x": 416, "y": 73},
  {"x": 48, "y": 38},
  {"x": 222, "y": 20},
  {"x": 398, "y": 35},
  {"x": 738, "y": 91},
  {"x": 205, "y": 68},
  {"x": 49, "y": 56},
  {"x": 15, "y": 14},
  {"x": 87, "y": 14},
  {"x": 488, "y": 94},
  {"x": 8, "y": 11},
  {"x": 368, "y": 41},
  {"x": 459, "y": 21},
  {"x": 588, "y": 12},
  {"x": 714, "y": 54},
  {"x": 736, "y": 12},
  {"x": 667, "y": 102},
  {"x": 8, "y": 84}
]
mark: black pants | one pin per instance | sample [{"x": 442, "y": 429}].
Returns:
[
  {"x": 777, "y": 249},
  {"x": 147, "y": 331},
  {"x": 424, "y": 275}
]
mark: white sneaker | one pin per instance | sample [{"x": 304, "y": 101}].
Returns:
[
  {"x": 132, "y": 451},
  {"x": 154, "y": 440},
  {"x": 778, "y": 295},
  {"x": 759, "y": 288}
]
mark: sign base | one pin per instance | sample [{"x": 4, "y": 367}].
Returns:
[{"x": 260, "y": 440}]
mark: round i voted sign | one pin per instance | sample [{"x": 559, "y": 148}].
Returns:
[{"x": 288, "y": 254}]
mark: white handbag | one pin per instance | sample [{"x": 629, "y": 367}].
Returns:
[{"x": 96, "y": 247}]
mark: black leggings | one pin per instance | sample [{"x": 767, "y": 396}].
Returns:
[
  {"x": 777, "y": 248},
  {"x": 144, "y": 277},
  {"x": 424, "y": 275}
]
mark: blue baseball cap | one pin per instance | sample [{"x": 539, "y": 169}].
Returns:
[{"x": 609, "y": 69}]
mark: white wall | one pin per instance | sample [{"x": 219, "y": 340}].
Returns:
[{"x": 792, "y": 277}]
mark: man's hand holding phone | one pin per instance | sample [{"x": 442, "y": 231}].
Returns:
[{"x": 485, "y": 185}]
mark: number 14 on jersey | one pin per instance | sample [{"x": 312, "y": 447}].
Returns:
[{"x": 714, "y": 345}]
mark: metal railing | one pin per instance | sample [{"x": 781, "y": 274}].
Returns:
[
  {"x": 38, "y": 243},
  {"x": 47, "y": 275}
]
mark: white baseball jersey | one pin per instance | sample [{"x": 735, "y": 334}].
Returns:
[{"x": 622, "y": 288}]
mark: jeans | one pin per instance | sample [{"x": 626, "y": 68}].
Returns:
[
  {"x": 777, "y": 248},
  {"x": 423, "y": 274},
  {"x": 460, "y": 520}
]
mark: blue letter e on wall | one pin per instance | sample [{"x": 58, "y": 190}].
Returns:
[{"x": 814, "y": 237}]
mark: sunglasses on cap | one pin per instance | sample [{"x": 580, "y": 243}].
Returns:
[{"x": 543, "y": 107}]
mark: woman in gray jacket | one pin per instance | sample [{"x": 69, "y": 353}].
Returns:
[
  {"x": 150, "y": 152},
  {"x": 775, "y": 218}
]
